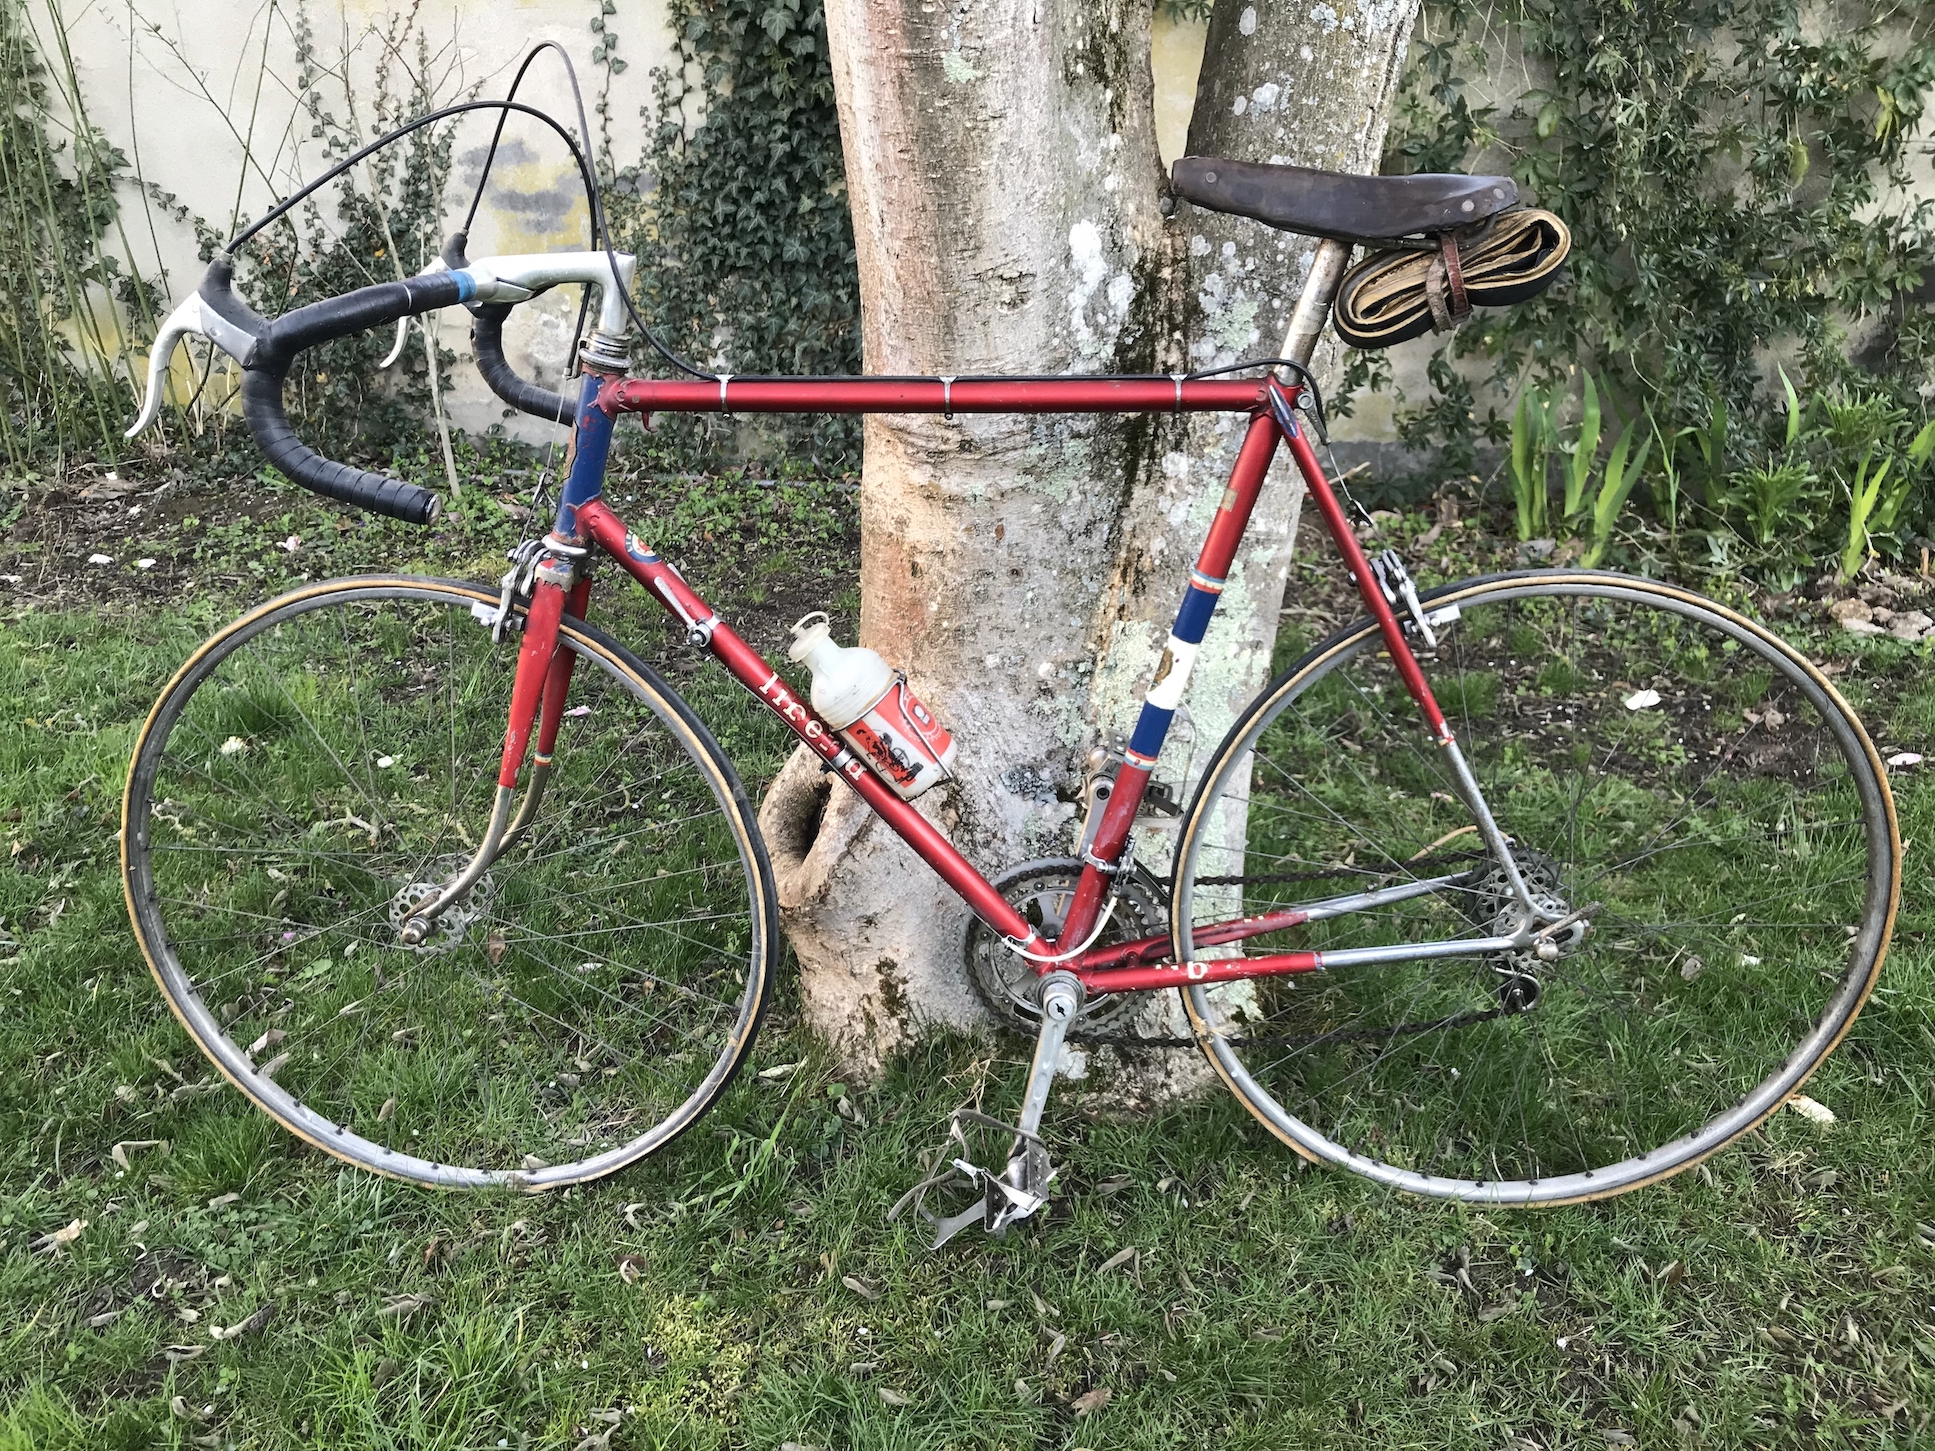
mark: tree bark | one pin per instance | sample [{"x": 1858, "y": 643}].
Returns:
[{"x": 1006, "y": 193}]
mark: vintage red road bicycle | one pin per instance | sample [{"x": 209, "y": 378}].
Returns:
[{"x": 1527, "y": 889}]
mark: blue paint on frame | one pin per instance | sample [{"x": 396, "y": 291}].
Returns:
[
  {"x": 1150, "y": 728},
  {"x": 1192, "y": 620},
  {"x": 587, "y": 480}
]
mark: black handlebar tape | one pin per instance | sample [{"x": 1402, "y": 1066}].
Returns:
[
  {"x": 355, "y": 312},
  {"x": 265, "y": 366},
  {"x": 487, "y": 336},
  {"x": 380, "y": 494}
]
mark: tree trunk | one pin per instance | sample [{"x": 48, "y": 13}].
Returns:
[{"x": 1006, "y": 194}]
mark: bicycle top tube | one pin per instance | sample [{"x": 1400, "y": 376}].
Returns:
[{"x": 1127, "y": 393}]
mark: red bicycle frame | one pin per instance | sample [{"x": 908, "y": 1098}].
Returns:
[{"x": 584, "y": 519}]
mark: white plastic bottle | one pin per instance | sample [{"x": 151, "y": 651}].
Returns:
[{"x": 867, "y": 701}]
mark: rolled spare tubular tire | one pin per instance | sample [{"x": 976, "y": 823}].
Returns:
[{"x": 1395, "y": 295}]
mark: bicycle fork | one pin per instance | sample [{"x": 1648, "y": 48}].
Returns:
[{"x": 559, "y": 589}]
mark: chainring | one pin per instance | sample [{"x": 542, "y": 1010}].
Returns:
[{"x": 1041, "y": 891}]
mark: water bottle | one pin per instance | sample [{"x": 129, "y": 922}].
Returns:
[{"x": 868, "y": 703}]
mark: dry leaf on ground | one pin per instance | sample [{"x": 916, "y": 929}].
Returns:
[
  {"x": 245, "y": 1327},
  {"x": 119, "y": 1153},
  {"x": 402, "y": 1307},
  {"x": 60, "y": 1238},
  {"x": 1090, "y": 1402},
  {"x": 1811, "y": 1110}
]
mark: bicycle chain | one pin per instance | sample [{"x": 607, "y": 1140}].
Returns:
[
  {"x": 1458, "y": 1020},
  {"x": 1306, "y": 1040}
]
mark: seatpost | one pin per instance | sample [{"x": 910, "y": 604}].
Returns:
[{"x": 1327, "y": 265}]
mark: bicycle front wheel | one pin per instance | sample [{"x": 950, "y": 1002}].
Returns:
[
  {"x": 327, "y": 762},
  {"x": 1654, "y": 758}
]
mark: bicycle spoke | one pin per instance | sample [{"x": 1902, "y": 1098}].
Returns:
[{"x": 1512, "y": 1075}]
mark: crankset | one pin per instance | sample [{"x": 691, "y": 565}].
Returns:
[{"x": 1042, "y": 891}]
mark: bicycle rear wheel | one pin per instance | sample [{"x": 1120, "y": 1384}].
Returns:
[
  {"x": 1644, "y": 750},
  {"x": 326, "y": 762}
]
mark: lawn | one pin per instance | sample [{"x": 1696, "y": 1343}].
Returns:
[{"x": 174, "y": 1269}]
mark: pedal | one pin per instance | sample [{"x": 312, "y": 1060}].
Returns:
[{"x": 995, "y": 1200}]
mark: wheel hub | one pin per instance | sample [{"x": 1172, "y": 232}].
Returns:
[{"x": 448, "y": 930}]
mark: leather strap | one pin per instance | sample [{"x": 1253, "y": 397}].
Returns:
[
  {"x": 1444, "y": 286},
  {"x": 1454, "y": 276}
]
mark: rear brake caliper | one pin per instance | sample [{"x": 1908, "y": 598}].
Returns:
[{"x": 1394, "y": 580}]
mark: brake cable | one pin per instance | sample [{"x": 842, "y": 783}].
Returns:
[
  {"x": 601, "y": 241},
  {"x": 389, "y": 138}
]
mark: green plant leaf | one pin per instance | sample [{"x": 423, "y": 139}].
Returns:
[
  {"x": 1793, "y": 407},
  {"x": 1923, "y": 446},
  {"x": 1584, "y": 450},
  {"x": 1615, "y": 486}
]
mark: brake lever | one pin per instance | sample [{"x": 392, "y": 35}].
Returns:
[
  {"x": 436, "y": 264},
  {"x": 190, "y": 317}
]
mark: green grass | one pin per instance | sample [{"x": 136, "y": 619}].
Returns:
[{"x": 705, "y": 1299}]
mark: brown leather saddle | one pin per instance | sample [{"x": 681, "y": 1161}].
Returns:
[
  {"x": 1475, "y": 246},
  {"x": 1332, "y": 204}
]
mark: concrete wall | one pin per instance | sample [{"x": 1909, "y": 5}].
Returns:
[{"x": 201, "y": 96}]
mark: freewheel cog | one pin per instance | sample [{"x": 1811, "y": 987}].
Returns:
[
  {"x": 1496, "y": 909},
  {"x": 1042, "y": 891}
]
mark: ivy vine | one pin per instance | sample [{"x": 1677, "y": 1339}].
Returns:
[
  {"x": 60, "y": 230},
  {"x": 1737, "y": 189},
  {"x": 740, "y": 222}
]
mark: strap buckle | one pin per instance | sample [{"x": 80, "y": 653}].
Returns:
[{"x": 1444, "y": 286}]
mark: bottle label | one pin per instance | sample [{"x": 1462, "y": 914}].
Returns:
[{"x": 902, "y": 741}]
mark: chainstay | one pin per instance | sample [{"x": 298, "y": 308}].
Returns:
[
  {"x": 1419, "y": 865},
  {"x": 1306, "y": 1040}
]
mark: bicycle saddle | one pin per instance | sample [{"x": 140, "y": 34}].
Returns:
[{"x": 1331, "y": 204}]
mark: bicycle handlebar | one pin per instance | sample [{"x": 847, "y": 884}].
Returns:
[
  {"x": 487, "y": 337},
  {"x": 266, "y": 349},
  {"x": 265, "y": 367},
  {"x": 487, "y": 340}
]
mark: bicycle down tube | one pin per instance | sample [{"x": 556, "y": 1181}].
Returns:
[{"x": 584, "y": 517}]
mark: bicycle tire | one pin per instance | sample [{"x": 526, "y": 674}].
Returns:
[
  {"x": 264, "y": 845},
  {"x": 1395, "y": 1092}
]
